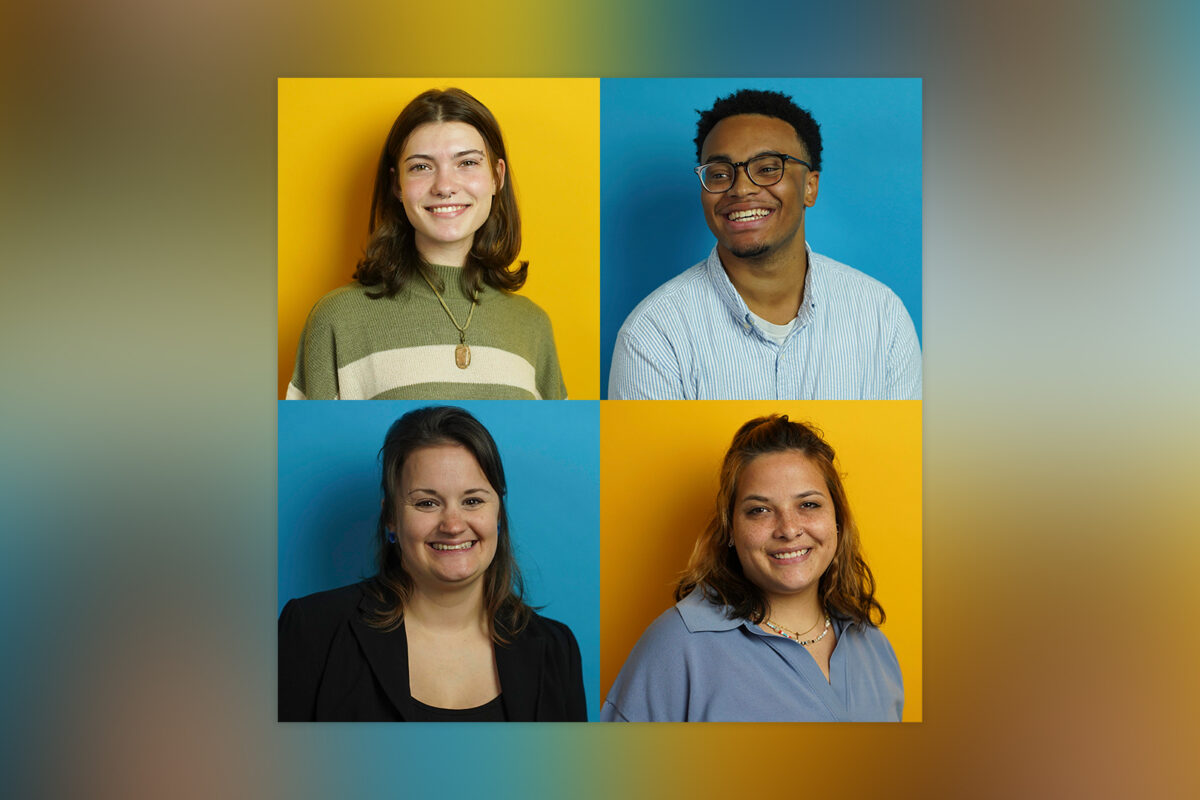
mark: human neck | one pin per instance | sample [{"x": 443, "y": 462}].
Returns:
[
  {"x": 796, "y": 612},
  {"x": 771, "y": 285},
  {"x": 446, "y": 609},
  {"x": 446, "y": 255}
]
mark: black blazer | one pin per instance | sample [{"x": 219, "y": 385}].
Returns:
[{"x": 334, "y": 666}]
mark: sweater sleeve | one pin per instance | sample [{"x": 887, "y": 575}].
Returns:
[
  {"x": 550, "y": 383},
  {"x": 315, "y": 374}
]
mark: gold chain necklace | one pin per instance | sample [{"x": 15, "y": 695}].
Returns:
[
  {"x": 795, "y": 637},
  {"x": 462, "y": 353}
]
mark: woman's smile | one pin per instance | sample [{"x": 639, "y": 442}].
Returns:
[{"x": 446, "y": 180}]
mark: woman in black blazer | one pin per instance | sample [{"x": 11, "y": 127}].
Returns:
[{"x": 441, "y": 632}]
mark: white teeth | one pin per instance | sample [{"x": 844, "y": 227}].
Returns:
[
  {"x": 463, "y": 546},
  {"x": 791, "y": 554},
  {"x": 753, "y": 213},
  {"x": 445, "y": 209}
]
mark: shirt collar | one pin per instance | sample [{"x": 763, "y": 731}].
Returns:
[
  {"x": 813, "y": 290},
  {"x": 699, "y": 614}
]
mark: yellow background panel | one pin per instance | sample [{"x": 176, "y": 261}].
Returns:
[
  {"x": 659, "y": 465},
  {"x": 330, "y": 134}
]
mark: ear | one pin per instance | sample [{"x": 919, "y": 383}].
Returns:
[
  {"x": 811, "y": 183},
  {"x": 501, "y": 168},
  {"x": 395, "y": 184}
]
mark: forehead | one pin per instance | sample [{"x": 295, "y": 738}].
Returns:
[
  {"x": 744, "y": 136},
  {"x": 787, "y": 473},
  {"x": 435, "y": 137},
  {"x": 440, "y": 462}
]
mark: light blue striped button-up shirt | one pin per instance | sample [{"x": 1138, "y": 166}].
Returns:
[{"x": 693, "y": 339}]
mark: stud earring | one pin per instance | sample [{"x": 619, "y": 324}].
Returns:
[{"x": 391, "y": 537}]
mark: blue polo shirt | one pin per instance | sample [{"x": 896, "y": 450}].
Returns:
[{"x": 694, "y": 664}]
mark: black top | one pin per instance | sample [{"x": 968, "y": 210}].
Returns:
[
  {"x": 333, "y": 666},
  {"x": 491, "y": 711}
]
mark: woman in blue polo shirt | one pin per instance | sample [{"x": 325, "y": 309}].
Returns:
[{"x": 776, "y": 618}]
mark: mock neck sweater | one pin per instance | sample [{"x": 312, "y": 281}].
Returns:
[{"x": 402, "y": 348}]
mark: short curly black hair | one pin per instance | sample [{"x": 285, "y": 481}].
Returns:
[{"x": 769, "y": 104}]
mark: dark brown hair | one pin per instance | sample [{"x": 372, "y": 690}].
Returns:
[
  {"x": 391, "y": 259},
  {"x": 847, "y": 588},
  {"x": 503, "y": 586}
]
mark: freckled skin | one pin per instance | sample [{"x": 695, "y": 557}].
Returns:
[{"x": 783, "y": 505}]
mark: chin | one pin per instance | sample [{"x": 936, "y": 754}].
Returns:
[{"x": 751, "y": 251}]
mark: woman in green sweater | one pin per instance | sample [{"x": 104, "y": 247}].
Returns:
[{"x": 432, "y": 314}]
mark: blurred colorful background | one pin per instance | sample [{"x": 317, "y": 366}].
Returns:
[{"x": 138, "y": 565}]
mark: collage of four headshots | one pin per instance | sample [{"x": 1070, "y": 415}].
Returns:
[{"x": 641, "y": 376}]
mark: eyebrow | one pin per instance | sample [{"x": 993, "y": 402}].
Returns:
[
  {"x": 459, "y": 154},
  {"x": 436, "y": 493},
  {"x": 723, "y": 157},
  {"x": 758, "y": 498}
]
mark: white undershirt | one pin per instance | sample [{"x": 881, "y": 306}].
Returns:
[{"x": 776, "y": 333}]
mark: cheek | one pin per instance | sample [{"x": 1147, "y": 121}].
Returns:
[
  {"x": 746, "y": 536},
  {"x": 485, "y": 204}
]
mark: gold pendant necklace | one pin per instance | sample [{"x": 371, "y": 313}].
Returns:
[{"x": 462, "y": 353}]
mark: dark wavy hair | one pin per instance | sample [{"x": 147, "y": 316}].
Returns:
[
  {"x": 391, "y": 259},
  {"x": 503, "y": 587},
  {"x": 769, "y": 104},
  {"x": 847, "y": 588}
]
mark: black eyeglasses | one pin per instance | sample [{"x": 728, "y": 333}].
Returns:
[{"x": 765, "y": 170}]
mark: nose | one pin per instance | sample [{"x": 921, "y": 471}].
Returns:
[
  {"x": 789, "y": 525},
  {"x": 741, "y": 181},
  {"x": 444, "y": 184},
  {"x": 452, "y": 521}
]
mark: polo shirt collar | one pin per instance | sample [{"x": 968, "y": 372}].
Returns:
[{"x": 701, "y": 615}]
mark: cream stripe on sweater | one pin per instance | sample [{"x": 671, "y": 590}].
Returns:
[{"x": 402, "y": 347}]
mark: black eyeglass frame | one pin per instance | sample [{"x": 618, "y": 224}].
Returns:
[{"x": 745, "y": 168}]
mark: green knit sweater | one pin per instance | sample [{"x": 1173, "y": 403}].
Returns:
[{"x": 402, "y": 347}]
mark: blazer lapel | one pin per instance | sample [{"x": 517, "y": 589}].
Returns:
[
  {"x": 519, "y": 665},
  {"x": 387, "y": 655}
]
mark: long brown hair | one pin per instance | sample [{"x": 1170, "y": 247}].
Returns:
[
  {"x": 503, "y": 586},
  {"x": 391, "y": 259},
  {"x": 847, "y": 588}
]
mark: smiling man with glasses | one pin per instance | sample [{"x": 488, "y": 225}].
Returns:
[{"x": 764, "y": 317}]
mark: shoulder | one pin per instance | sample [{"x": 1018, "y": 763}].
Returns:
[
  {"x": 340, "y": 302},
  {"x": 664, "y": 640},
  {"x": 325, "y": 609},
  {"x": 660, "y": 674},
  {"x": 674, "y": 298},
  {"x": 871, "y": 646},
  {"x": 517, "y": 305},
  {"x": 554, "y": 633},
  {"x": 845, "y": 279}
]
